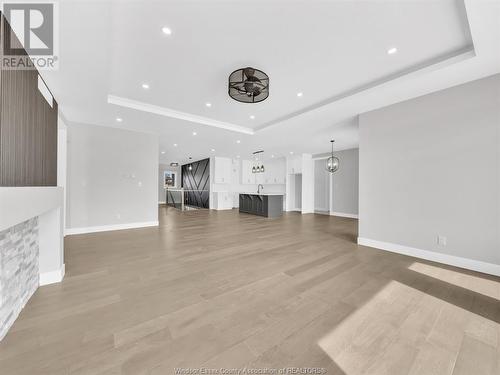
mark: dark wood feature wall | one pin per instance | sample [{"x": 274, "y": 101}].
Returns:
[
  {"x": 28, "y": 129},
  {"x": 197, "y": 179}
]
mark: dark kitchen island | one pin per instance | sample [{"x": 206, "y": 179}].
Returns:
[{"x": 264, "y": 204}]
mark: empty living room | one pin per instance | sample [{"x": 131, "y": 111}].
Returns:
[{"x": 235, "y": 187}]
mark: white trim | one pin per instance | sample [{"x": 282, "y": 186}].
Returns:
[
  {"x": 168, "y": 112},
  {"x": 470, "y": 264},
  {"x": 343, "y": 214},
  {"x": 162, "y": 202},
  {"x": 52, "y": 277},
  {"x": 321, "y": 212},
  {"x": 105, "y": 228}
]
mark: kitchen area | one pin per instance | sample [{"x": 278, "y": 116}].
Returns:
[{"x": 259, "y": 186}]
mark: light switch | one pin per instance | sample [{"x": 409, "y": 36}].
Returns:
[{"x": 441, "y": 240}]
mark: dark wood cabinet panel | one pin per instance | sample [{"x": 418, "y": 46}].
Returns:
[{"x": 28, "y": 130}]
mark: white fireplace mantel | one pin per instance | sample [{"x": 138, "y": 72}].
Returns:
[{"x": 18, "y": 204}]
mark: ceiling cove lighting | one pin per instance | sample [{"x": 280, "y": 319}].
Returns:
[
  {"x": 145, "y": 86},
  {"x": 166, "y": 30},
  {"x": 248, "y": 85},
  {"x": 392, "y": 51},
  {"x": 332, "y": 163}
]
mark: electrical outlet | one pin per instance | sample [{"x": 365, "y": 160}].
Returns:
[{"x": 441, "y": 240}]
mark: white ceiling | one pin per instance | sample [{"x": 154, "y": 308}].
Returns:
[{"x": 335, "y": 52}]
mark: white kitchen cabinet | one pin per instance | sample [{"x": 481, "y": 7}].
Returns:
[
  {"x": 222, "y": 173},
  {"x": 294, "y": 164},
  {"x": 275, "y": 172},
  {"x": 247, "y": 177},
  {"x": 223, "y": 200}
]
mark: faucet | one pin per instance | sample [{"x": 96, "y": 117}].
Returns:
[{"x": 258, "y": 188}]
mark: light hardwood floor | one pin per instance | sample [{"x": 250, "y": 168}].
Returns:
[{"x": 221, "y": 289}]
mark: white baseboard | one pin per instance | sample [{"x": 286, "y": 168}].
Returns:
[
  {"x": 321, "y": 212},
  {"x": 343, "y": 214},
  {"x": 106, "y": 228},
  {"x": 52, "y": 277},
  {"x": 470, "y": 264},
  {"x": 162, "y": 202}
]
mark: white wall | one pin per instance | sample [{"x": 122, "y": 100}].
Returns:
[
  {"x": 307, "y": 203},
  {"x": 161, "y": 187},
  {"x": 62, "y": 158},
  {"x": 345, "y": 182},
  {"x": 337, "y": 192},
  {"x": 431, "y": 166},
  {"x": 321, "y": 186},
  {"x": 112, "y": 178}
]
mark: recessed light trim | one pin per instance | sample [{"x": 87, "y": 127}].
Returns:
[
  {"x": 392, "y": 51},
  {"x": 166, "y": 30}
]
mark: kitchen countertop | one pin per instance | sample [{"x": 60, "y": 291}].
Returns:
[{"x": 263, "y": 193}]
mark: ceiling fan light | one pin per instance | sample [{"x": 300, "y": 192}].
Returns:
[{"x": 248, "y": 85}]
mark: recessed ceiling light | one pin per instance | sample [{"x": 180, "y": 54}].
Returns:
[
  {"x": 272, "y": 156},
  {"x": 166, "y": 30},
  {"x": 392, "y": 51},
  {"x": 213, "y": 150},
  {"x": 145, "y": 86},
  {"x": 175, "y": 144},
  {"x": 238, "y": 141},
  {"x": 163, "y": 152},
  {"x": 208, "y": 105},
  {"x": 291, "y": 152},
  {"x": 119, "y": 119},
  {"x": 194, "y": 133},
  {"x": 252, "y": 117},
  {"x": 300, "y": 94},
  {"x": 238, "y": 156}
]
